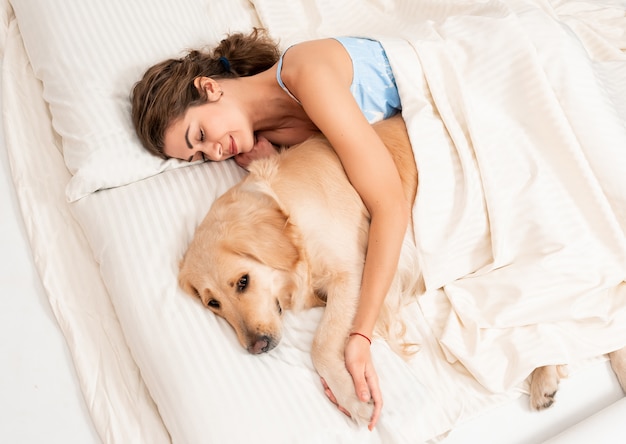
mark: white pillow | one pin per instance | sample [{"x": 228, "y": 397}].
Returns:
[{"x": 89, "y": 54}]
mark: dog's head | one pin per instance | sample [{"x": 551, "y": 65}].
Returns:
[{"x": 246, "y": 265}]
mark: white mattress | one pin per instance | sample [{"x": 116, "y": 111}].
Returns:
[{"x": 154, "y": 367}]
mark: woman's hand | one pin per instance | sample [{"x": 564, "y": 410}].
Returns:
[
  {"x": 359, "y": 364},
  {"x": 262, "y": 148}
]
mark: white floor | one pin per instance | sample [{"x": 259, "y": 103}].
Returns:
[{"x": 40, "y": 401}]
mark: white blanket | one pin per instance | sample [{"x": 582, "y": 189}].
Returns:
[
  {"x": 518, "y": 129},
  {"x": 521, "y": 212}
]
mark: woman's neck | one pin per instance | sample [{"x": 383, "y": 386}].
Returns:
[{"x": 273, "y": 113}]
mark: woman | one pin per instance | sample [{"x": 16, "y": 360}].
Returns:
[{"x": 236, "y": 99}]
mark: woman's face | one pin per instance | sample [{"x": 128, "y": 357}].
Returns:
[{"x": 211, "y": 131}]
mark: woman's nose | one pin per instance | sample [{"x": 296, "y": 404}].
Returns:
[
  {"x": 218, "y": 150},
  {"x": 215, "y": 151},
  {"x": 209, "y": 152}
]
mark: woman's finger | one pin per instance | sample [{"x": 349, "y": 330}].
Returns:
[
  {"x": 374, "y": 388},
  {"x": 332, "y": 398}
]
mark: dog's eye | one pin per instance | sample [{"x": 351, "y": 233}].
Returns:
[
  {"x": 280, "y": 309},
  {"x": 213, "y": 304},
  {"x": 242, "y": 284}
]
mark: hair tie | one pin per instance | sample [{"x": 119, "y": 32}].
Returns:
[{"x": 225, "y": 63}]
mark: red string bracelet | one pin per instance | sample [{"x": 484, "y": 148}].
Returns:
[{"x": 356, "y": 333}]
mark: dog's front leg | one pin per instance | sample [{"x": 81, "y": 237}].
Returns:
[{"x": 329, "y": 344}]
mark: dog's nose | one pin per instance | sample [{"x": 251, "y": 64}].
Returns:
[{"x": 262, "y": 344}]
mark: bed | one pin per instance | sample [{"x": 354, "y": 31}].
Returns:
[{"x": 517, "y": 115}]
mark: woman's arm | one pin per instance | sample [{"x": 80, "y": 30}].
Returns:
[
  {"x": 320, "y": 78},
  {"x": 373, "y": 174}
]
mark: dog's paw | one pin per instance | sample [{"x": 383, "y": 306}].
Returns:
[
  {"x": 361, "y": 412},
  {"x": 340, "y": 384},
  {"x": 544, "y": 384}
]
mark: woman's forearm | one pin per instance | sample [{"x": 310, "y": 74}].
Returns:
[{"x": 385, "y": 242}]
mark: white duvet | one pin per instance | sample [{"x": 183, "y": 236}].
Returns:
[
  {"x": 521, "y": 211},
  {"x": 519, "y": 132},
  {"x": 516, "y": 112}
]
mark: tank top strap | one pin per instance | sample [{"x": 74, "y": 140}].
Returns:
[{"x": 279, "y": 79}]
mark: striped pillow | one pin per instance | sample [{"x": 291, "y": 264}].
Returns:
[{"x": 88, "y": 55}]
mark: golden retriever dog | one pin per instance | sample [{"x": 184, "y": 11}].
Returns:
[{"x": 293, "y": 235}]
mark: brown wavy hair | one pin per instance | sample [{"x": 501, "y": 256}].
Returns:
[{"x": 166, "y": 90}]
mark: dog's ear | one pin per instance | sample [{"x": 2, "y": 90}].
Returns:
[
  {"x": 184, "y": 276},
  {"x": 265, "y": 233},
  {"x": 184, "y": 281}
]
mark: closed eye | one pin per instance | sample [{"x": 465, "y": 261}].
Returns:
[{"x": 213, "y": 304}]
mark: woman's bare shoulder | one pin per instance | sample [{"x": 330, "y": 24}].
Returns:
[{"x": 307, "y": 59}]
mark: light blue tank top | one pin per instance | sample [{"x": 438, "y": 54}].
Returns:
[{"x": 373, "y": 85}]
